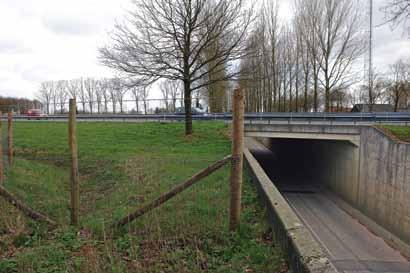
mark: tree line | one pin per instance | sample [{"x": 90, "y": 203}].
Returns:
[
  {"x": 106, "y": 95},
  {"x": 18, "y": 105},
  {"x": 309, "y": 63}
]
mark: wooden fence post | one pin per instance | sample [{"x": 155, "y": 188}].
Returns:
[
  {"x": 1, "y": 151},
  {"x": 10, "y": 138},
  {"x": 74, "y": 178},
  {"x": 237, "y": 158}
]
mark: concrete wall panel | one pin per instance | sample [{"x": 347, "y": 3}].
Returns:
[{"x": 384, "y": 193}]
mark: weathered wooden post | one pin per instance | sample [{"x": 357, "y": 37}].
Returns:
[
  {"x": 237, "y": 158},
  {"x": 1, "y": 152},
  {"x": 74, "y": 178},
  {"x": 10, "y": 138}
]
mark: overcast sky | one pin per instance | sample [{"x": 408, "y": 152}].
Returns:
[{"x": 55, "y": 39}]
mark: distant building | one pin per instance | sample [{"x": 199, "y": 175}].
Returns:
[{"x": 375, "y": 108}]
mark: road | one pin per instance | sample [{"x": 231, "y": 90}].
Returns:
[
  {"x": 400, "y": 118},
  {"x": 351, "y": 247}
]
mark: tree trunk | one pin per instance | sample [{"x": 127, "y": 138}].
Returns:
[
  {"x": 297, "y": 83},
  {"x": 188, "y": 110},
  {"x": 114, "y": 107},
  {"x": 396, "y": 101},
  {"x": 305, "y": 102},
  {"x": 315, "y": 79}
]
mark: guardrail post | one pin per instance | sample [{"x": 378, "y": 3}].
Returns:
[
  {"x": 74, "y": 178},
  {"x": 237, "y": 158},
  {"x": 10, "y": 138}
]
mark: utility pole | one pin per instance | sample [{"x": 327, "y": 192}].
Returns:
[{"x": 371, "y": 55}]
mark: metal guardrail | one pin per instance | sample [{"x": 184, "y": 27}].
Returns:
[{"x": 380, "y": 117}]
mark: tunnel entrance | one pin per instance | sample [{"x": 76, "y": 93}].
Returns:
[
  {"x": 311, "y": 165},
  {"x": 311, "y": 174}
]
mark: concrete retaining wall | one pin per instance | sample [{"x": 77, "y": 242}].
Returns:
[
  {"x": 303, "y": 251},
  {"x": 338, "y": 168},
  {"x": 373, "y": 178},
  {"x": 384, "y": 188}
]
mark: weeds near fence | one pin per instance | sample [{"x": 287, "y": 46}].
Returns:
[{"x": 122, "y": 167}]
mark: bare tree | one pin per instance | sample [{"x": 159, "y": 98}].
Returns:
[
  {"x": 399, "y": 82},
  {"x": 99, "y": 96},
  {"x": 45, "y": 94},
  {"x": 73, "y": 87},
  {"x": 90, "y": 89},
  {"x": 105, "y": 85},
  {"x": 120, "y": 92},
  {"x": 334, "y": 30},
  {"x": 165, "y": 91},
  {"x": 168, "y": 38},
  {"x": 372, "y": 95},
  {"x": 397, "y": 12},
  {"x": 117, "y": 91},
  {"x": 305, "y": 64},
  {"x": 175, "y": 88},
  {"x": 113, "y": 86},
  {"x": 54, "y": 97},
  {"x": 82, "y": 93},
  {"x": 170, "y": 91},
  {"x": 271, "y": 9},
  {"x": 253, "y": 70},
  {"x": 308, "y": 14},
  {"x": 61, "y": 90},
  {"x": 339, "y": 100},
  {"x": 144, "y": 93},
  {"x": 136, "y": 94}
]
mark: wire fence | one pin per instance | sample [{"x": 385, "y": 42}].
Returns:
[{"x": 120, "y": 172}]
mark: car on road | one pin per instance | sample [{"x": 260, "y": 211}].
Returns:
[
  {"x": 195, "y": 111},
  {"x": 35, "y": 114}
]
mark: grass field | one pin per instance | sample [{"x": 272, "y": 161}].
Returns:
[
  {"x": 401, "y": 132},
  {"x": 123, "y": 166}
]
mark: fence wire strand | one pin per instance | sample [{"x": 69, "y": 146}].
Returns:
[{"x": 115, "y": 182}]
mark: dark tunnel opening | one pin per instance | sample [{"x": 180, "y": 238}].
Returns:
[
  {"x": 308, "y": 165},
  {"x": 319, "y": 181}
]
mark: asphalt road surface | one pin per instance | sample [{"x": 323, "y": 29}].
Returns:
[{"x": 351, "y": 247}]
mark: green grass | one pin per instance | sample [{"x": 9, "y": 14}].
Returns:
[
  {"x": 122, "y": 167},
  {"x": 401, "y": 132}
]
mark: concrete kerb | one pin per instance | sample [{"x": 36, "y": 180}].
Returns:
[{"x": 303, "y": 252}]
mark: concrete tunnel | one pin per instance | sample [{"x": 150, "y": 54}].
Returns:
[
  {"x": 346, "y": 185},
  {"x": 310, "y": 165}
]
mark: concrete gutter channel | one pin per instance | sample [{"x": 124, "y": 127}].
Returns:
[{"x": 304, "y": 253}]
